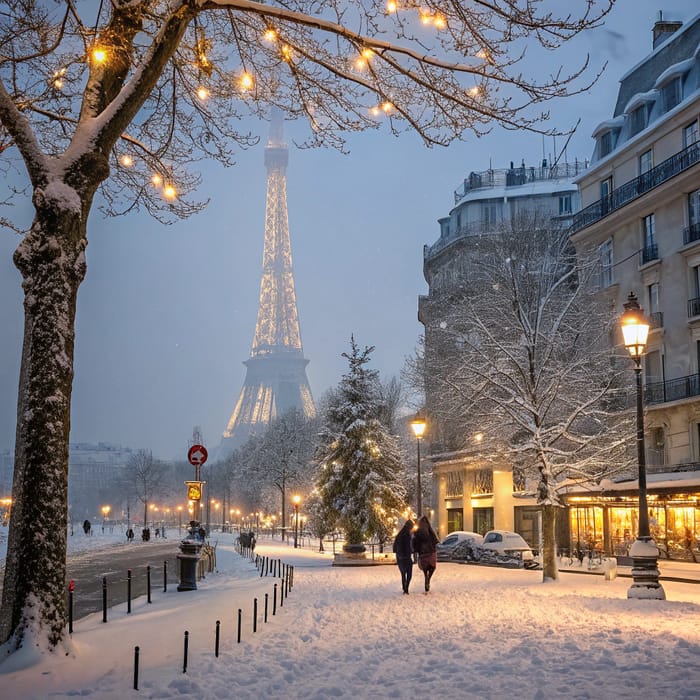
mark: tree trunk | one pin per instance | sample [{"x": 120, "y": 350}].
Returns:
[
  {"x": 52, "y": 262},
  {"x": 550, "y": 569}
]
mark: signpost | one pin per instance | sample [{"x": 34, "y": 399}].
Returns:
[{"x": 197, "y": 456}]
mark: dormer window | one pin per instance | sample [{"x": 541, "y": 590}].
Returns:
[
  {"x": 638, "y": 119},
  {"x": 671, "y": 93},
  {"x": 605, "y": 144}
]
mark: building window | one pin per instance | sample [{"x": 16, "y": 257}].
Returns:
[
  {"x": 606, "y": 263},
  {"x": 489, "y": 214},
  {"x": 564, "y": 204},
  {"x": 671, "y": 93},
  {"x": 646, "y": 162},
  {"x": 694, "y": 208},
  {"x": 690, "y": 134},
  {"x": 606, "y": 187},
  {"x": 653, "y": 367},
  {"x": 649, "y": 231},
  {"x": 605, "y": 144},
  {"x": 653, "y": 294},
  {"x": 638, "y": 120},
  {"x": 455, "y": 519}
]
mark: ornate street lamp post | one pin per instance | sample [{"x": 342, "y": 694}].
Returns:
[
  {"x": 296, "y": 500},
  {"x": 644, "y": 552},
  {"x": 418, "y": 425}
]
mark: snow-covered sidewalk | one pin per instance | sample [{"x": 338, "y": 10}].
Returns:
[{"x": 349, "y": 632}]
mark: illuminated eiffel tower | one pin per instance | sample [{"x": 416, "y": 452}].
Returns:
[{"x": 275, "y": 380}]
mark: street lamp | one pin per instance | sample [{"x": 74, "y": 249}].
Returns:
[
  {"x": 644, "y": 552},
  {"x": 418, "y": 425},
  {"x": 296, "y": 500},
  {"x": 105, "y": 514}
]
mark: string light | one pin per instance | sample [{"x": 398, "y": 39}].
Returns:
[
  {"x": 169, "y": 192},
  {"x": 270, "y": 35},
  {"x": 375, "y": 111},
  {"x": 286, "y": 52},
  {"x": 203, "y": 93},
  {"x": 475, "y": 91},
  {"x": 157, "y": 180},
  {"x": 98, "y": 54},
  {"x": 387, "y": 107},
  {"x": 391, "y": 6},
  {"x": 57, "y": 78},
  {"x": 439, "y": 22},
  {"x": 246, "y": 81},
  {"x": 126, "y": 160}
]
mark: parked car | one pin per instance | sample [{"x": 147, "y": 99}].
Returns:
[
  {"x": 446, "y": 548},
  {"x": 506, "y": 545}
]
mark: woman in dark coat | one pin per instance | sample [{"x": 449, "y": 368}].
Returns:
[
  {"x": 404, "y": 554},
  {"x": 425, "y": 544}
]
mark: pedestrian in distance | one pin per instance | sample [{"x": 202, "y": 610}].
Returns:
[
  {"x": 130, "y": 535},
  {"x": 403, "y": 548},
  {"x": 425, "y": 544}
]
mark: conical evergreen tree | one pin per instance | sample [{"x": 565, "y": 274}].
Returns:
[{"x": 360, "y": 462}]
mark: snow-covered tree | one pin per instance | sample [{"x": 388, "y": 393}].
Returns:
[
  {"x": 279, "y": 460},
  {"x": 122, "y": 97},
  {"x": 360, "y": 463},
  {"x": 522, "y": 360}
]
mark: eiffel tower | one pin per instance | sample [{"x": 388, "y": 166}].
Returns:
[{"x": 275, "y": 380}]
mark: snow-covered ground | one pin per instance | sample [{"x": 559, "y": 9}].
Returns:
[{"x": 481, "y": 632}]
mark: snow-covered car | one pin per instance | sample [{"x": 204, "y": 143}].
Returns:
[
  {"x": 446, "y": 548},
  {"x": 500, "y": 546}
]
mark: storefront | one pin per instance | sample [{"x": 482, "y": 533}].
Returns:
[{"x": 606, "y": 519}]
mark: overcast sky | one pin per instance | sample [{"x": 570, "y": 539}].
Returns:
[{"x": 166, "y": 314}]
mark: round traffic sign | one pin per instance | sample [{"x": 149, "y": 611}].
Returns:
[{"x": 197, "y": 455}]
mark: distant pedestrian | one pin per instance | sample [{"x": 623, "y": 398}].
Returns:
[
  {"x": 425, "y": 544},
  {"x": 403, "y": 548},
  {"x": 87, "y": 527},
  {"x": 251, "y": 539},
  {"x": 130, "y": 535},
  {"x": 688, "y": 541}
]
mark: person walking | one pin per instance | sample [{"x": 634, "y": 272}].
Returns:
[
  {"x": 425, "y": 544},
  {"x": 403, "y": 548}
]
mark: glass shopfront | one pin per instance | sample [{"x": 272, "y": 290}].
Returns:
[
  {"x": 610, "y": 525},
  {"x": 455, "y": 519}
]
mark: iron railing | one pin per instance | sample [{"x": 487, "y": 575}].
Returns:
[
  {"x": 633, "y": 189},
  {"x": 691, "y": 233},
  {"x": 657, "y": 319},
  {"x": 672, "y": 390},
  {"x": 694, "y": 307},
  {"x": 649, "y": 253}
]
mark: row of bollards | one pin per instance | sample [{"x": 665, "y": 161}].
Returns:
[
  {"x": 280, "y": 591},
  {"x": 71, "y": 591}
]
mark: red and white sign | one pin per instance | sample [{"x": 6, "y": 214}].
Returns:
[{"x": 197, "y": 455}]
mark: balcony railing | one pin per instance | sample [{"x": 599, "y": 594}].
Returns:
[
  {"x": 694, "y": 307},
  {"x": 672, "y": 390},
  {"x": 633, "y": 189},
  {"x": 657, "y": 319},
  {"x": 648, "y": 253},
  {"x": 691, "y": 233}
]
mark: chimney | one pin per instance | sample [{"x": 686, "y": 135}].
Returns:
[{"x": 663, "y": 29}]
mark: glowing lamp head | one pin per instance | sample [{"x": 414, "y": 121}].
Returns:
[
  {"x": 635, "y": 327},
  {"x": 418, "y": 425},
  {"x": 296, "y": 499}
]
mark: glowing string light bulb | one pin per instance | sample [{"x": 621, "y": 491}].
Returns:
[
  {"x": 246, "y": 81},
  {"x": 169, "y": 192},
  {"x": 270, "y": 35},
  {"x": 387, "y": 107},
  {"x": 126, "y": 160},
  {"x": 157, "y": 180},
  {"x": 203, "y": 93},
  {"x": 391, "y": 6},
  {"x": 439, "y": 22},
  {"x": 98, "y": 54}
]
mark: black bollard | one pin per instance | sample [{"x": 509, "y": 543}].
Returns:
[
  {"x": 266, "y": 600},
  {"x": 104, "y": 599},
  {"x": 255, "y": 615},
  {"x": 165, "y": 576},
  {"x": 286, "y": 584},
  {"x": 148, "y": 582},
  {"x": 128, "y": 591},
  {"x": 274, "y": 600},
  {"x": 187, "y": 642},
  {"x": 267, "y": 568},
  {"x": 239, "y": 625},
  {"x": 216, "y": 639},
  {"x": 262, "y": 567},
  {"x": 291, "y": 576},
  {"x": 282, "y": 593},
  {"x": 136, "y": 668},
  {"x": 71, "y": 588}
]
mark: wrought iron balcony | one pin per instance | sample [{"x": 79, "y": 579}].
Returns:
[
  {"x": 657, "y": 319},
  {"x": 672, "y": 390},
  {"x": 648, "y": 253},
  {"x": 694, "y": 307},
  {"x": 691, "y": 233},
  {"x": 633, "y": 189}
]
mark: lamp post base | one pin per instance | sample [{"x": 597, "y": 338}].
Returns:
[{"x": 645, "y": 571}]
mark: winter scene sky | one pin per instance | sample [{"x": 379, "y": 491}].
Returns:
[
  {"x": 166, "y": 314},
  {"x": 348, "y": 632}
]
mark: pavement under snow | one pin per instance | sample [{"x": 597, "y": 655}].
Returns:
[{"x": 481, "y": 632}]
